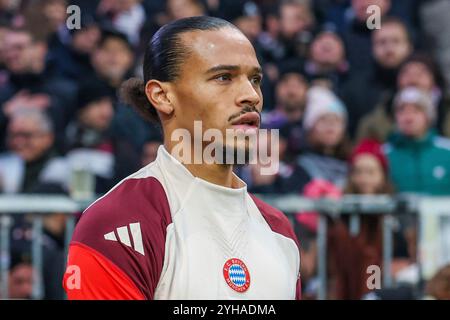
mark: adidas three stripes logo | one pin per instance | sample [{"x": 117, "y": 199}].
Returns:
[{"x": 124, "y": 236}]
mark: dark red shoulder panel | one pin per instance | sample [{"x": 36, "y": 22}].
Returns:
[{"x": 135, "y": 210}]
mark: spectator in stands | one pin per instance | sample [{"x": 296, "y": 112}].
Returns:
[
  {"x": 419, "y": 159},
  {"x": 357, "y": 36},
  {"x": 351, "y": 254},
  {"x": 126, "y": 16},
  {"x": 320, "y": 171},
  {"x": 113, "y": 59},
  {"x": 290, "y": 94},
  {"x": 21, "y": 276},
  {"x": 294, "y": 24},
  {"x": 91, "y": 143},
  {"x": 47, "y": 19},
  {"x": 31, "y": 150},
  {"x": 72, "y": 59},
  {"x": 418, "y": 71},
  {"x": 391, "y": 47},
  {"x": 327, "y": 146},
  {"x": 33, "y": 82},
  {"x": 290, "y": 97},
  {"x": 327, "y": 60}
]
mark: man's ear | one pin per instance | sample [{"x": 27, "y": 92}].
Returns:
[{"x": 156, "y": 92}]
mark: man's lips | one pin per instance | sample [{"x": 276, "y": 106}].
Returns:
[{"x": 247, "y": 120}]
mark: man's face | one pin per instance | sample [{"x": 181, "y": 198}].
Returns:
[
  {"x": 219, "y": 82},
  {"x": 113, "y": 59},
  {"x": 27, "y": 139},
  {"x": 416, "y": 74},
  {"x": 291, "y": 92},
  {"x": 327, "y": 50},
  {"x": 360, "y": 8},
  {"x": 98, "y": 114},
  {"x": 18, "y": 52},
  {"x": 411, "y": 120},
  {"x": 294, "y": 18},
  {"x": 391, "y": 45},
  {"x": 21, "y": 282}
]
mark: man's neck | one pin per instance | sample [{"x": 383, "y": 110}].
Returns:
[{"x": 220, "y": 174}]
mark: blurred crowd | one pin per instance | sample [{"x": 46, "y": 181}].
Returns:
[{"x": 360, "y": 110}]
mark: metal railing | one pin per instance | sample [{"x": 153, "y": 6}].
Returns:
[
  {"x": 355, "y": 205},
  {"x": 40, "y": 205},
  {"x": 36, "y": 206}
]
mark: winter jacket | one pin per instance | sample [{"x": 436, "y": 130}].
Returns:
[{"x": 419, "y": 166}]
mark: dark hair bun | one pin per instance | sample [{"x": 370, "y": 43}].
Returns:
[{"x": 132, "y": 92}]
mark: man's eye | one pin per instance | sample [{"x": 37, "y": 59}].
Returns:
[
  {"x": 257, "y": 80},
  {"x": 224, "y": 77}
]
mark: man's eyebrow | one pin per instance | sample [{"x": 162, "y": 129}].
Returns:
[
  {"x": 257, "y": 70},
  {"x": 224, "y": 67}
]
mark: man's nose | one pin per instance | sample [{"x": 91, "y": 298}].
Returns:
[{"x": 248, "y": 95}]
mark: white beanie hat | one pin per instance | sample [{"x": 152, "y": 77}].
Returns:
[
  {"x": 321, "y": 101},
  {"x": 418, "y": 97}
]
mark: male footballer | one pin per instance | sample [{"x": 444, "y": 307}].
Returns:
[{"x": 180, "y": 229}]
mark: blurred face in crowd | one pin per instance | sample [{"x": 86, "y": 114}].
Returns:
[
  {"x": 291, "y": 92},
  {"x": 416, "y": 74},
  {"x": 367, "y": 174},
  {"x": 28, "y": 137},
  {"x": 179, "y": 9},
  {"x": 294, "y": 18},
  {"x": 149, "y": 152},
  {"x": 21, "y": 282},
  {"x": 328, "y": 131},
  {"x": 113, "y": 59},
  {"x": 411, "y": 120},
  {"x": 213, "y": 86},
  {"x": 250, "y": 26},
  {"x": 97, "y": 115},
  {"x": 55, "y": 12},
  {"x": 391, "y": 45},
  {"x": 327, "y": 50},
  {"x": 360, "y": 8},
  {"x": 9, "y": 5},
  {"x": 18, "y": 51},
  {"x": 85, "y": 40}
]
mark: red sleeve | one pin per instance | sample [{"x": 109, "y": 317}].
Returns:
[
  {"x": 118, "y": 245},
  {"x": 91, "y": 276}
]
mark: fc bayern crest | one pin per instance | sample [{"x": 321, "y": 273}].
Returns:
[{"x": 236, "y": 275}]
